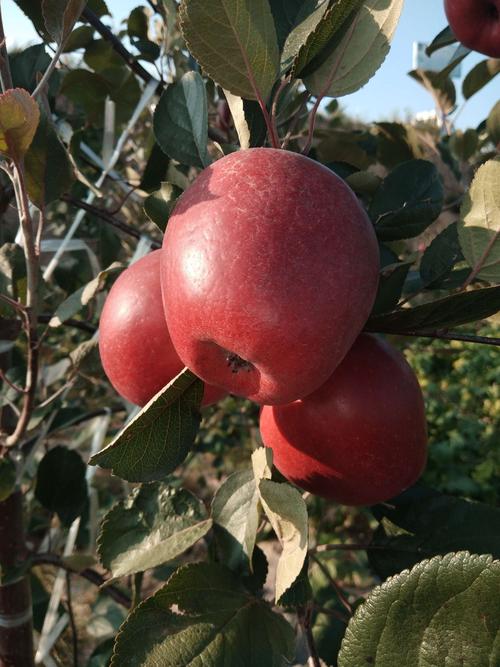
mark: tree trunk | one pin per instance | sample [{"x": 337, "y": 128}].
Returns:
[{"x": 16, "y": 623}]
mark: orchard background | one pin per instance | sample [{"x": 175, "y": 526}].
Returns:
[{"x": 170, "y": 549}]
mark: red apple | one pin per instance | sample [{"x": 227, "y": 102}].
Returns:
[
  {"x": 476, "y": 23},
  {"x": 359, "y": 439},
  {"x": 136, "y": 351},
  {"x": 269, "y": 272}
]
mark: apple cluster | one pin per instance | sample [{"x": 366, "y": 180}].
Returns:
[{"x": 267, "y": 275}]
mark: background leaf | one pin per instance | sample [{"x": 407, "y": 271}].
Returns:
[
  {"x": 479, "y": 225},
  {"x": 155, "y": 524},
  {"x": 447, "y": 609},
  {"x": 440, "y": 257},
  {"x": 409, "y": 199},
  {"x": 159, "y": 438},
  {"x": 204, "y": 615},
  {"x": 159, "y": 205},
  {"x": 248, "y": 65},
  {"x": 480, "y": 75},
  {"x": 60, "y": 16},
  {"x": 61, "y": 486},
  {"x": 180, "y": 121}
]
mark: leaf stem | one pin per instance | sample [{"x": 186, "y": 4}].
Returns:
[
  {"x": 305, "y": 620},
  {"x": 43, "y": 81},
  {"x": 448, "y": 335},
  {"x": 340, "y": 593}
]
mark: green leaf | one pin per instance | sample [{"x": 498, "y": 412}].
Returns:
[
  {"x": 84, "y": 295},
  {"x": 61, "y": 486},
  {"x": 390, "y": 287},
  {"x": 155, "y": 170},
  {"x": 48, "y": 169},
  {"x": 159, "y": 205},
  {"x": 396, "y": 143},
  {"x": 204, "y": 616},
  {"x": 180, "y": 121},
  {"x": 19, "y": 115},
  {"x": 248, "y": 64},
  {"x": 60, "y": 16},
  {"x": 137, "y": 23},
  {"x": 440, "y": 257},
  {"x": 285, "y": 13},
  {"x": 480, "y": 75},
  {"x": 422, "y": 523},
  {"x": 7, "y": 478},
  {"x": 287, "y": 513},
  {"x": 103, "y": 59},
  {"x": 235, "y": 512},
  {"x": 464, "y": 144},
  {"x": 300, "y": 592},
  {"x": 444, "y": 38},
  {"x": 80, "y": 38},
  {"x": 493, "y": 124},
  {"x": 441, "y": 88},
  {"x": 155, "y": 524},
  {"x": 27, "y": 65},
  {"x": 408, "y": 201},
  {"x": 159, "y": 438},
  {"x": 306, "y": 22},
  {"x": 445, "y": 611},
  {"x": 33, "y": 10},
  {"x": 360, "y": 52},
  {"x": 450, "y": 311},
  {"x": 479, "y": 225},
  {"x": 326, "y": 36},
  {"x": 88, "y": 90}
]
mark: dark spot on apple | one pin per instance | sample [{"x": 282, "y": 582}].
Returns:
[{"x": 237, "y": 364}]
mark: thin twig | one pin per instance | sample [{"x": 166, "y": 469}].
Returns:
[
  {"x": 340, "y": 593},
  {"x": 89, "y": 574},
  {"x": 5, "y": 76},
  {"x": 107, "y": 217},
  {"x": 76, "y": 324},
  {"x": 11, "y": 384},
  {"x": 331, "y": 612},
  {"x": 274, "y": 107},
  {"x": 304, "y": 615},
  {"x": 72, "y": 623},
  {"x": 321, "y": 548},
  {"x": 448, "y": 335},
  {"x": 48, "y": 72},
  {"x": 16, "y": 305}
]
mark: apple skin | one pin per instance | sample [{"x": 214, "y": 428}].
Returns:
[
  {"x": 361, "y": 438},
  {"x": 269, "y": 271},
  {"x": 476, "y": 24},
  {"x": 135, "y": 347}
]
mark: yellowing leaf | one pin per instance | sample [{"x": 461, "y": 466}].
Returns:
[{"x": 19, "y": 115}]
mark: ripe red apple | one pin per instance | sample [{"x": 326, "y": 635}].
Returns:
[
  {"x": 359, "y": 439},
  {"x": 269, "y": 271},
  {"x": 136, "y": 351},
  {"x": 476, "y": 23}
]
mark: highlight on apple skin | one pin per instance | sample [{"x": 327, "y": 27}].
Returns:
[
  {"x": 361, "y": 438},
  {"x": 135, "y": 347},
  {"x": 476, "y": 24},
  {"x": 269, "y": 272}
]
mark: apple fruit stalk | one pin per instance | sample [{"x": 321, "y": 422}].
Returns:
[
  {"x": 269, "y": 271},
  {"x": 135, "y": 347},
  {"x": 476, "y": 23},
  {"x": 361, "y": 438}
]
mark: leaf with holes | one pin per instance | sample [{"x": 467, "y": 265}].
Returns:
[
  {"x": 159, "y": 438},
  {"x": 204, "y": 616},
  {"x": 360, "y": 52},
  {"x": 444, "y": 611},
  {"x": 154, "y": 525},
  {"x": 19, "y": 116},
  {"x": 180, "y": 121},
  {"x": 479, "y": 225},
  {"x": 248, "y": 63},
  {"x": 408, "y": 201}
]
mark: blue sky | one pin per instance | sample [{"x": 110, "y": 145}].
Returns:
[{"x": 389, "y": 95}]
